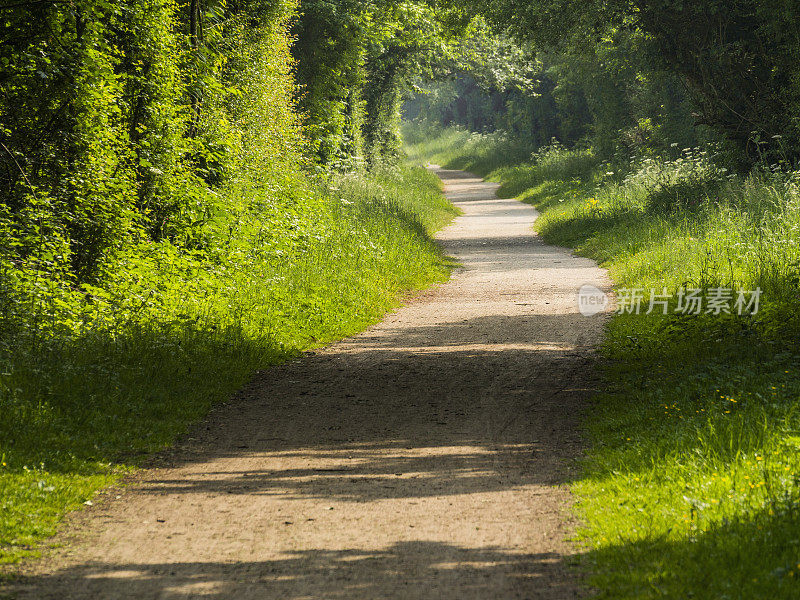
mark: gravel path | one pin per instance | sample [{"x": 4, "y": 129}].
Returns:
[{"x": 427, "y": 457}]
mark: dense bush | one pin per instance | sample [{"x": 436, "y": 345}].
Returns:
[{"x": 117, "y": 145}]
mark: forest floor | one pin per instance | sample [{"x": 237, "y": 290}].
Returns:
[{"x": 428, "y": 457}]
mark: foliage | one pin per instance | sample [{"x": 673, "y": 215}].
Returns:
[
  {"x": 737, "y": 61},
  {"x": 329, "y": 50},
  {"x": 355, "y": 62},
  {"x": 490, "y": 83},
  {"x": 608, "y": 95}
]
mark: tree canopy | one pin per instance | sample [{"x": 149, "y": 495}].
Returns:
[
  {"x": 120, "y": 120},
  {"x": 733, "y": 63}
]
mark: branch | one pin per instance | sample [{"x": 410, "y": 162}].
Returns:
[{"x": 21, "y": 170}]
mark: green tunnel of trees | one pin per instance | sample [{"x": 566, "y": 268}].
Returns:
[
  {"x": 121, "y": 121},
  {"x": 191, "y": 190},
  {"x": 124, "y": 119}
]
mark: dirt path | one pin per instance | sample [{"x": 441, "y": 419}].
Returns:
[{"x": 425, "y": 458}]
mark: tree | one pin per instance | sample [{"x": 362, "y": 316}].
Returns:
[
  {"x": 737, "y": 59},
  {"x": 355, "y": 62}
]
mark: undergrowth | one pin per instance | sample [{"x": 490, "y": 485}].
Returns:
[
  {"x": 691, "y": 484},
  {"x": 92, "y": 379}
]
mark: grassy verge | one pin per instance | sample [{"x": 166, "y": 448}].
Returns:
[
  {"x": 691, "y": 487},
  {"x": 81, "y": 404}
]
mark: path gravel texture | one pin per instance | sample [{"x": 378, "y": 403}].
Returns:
[{"x": 428, "y": 457}]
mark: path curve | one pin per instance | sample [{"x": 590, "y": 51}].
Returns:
[{"x": 427, "y": 457}]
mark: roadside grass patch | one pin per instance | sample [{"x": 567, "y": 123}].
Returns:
[
  {"x": 457, "y": 148},
  {"x": 691, "y": 484},
  {"x": 89, "y": 393}
]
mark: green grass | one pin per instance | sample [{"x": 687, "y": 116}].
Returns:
[
  {"x": 691, "y": 485},
  {"x": 460, "y": 149},
  {"x": 84, "y": 398}
]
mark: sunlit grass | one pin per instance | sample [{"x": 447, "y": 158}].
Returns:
[
  {"x": 691, "y": 485},
  {"x": 460, "y": 149},
  {"x": 81, "y": 407}
]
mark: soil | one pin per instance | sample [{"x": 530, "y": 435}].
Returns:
[{"x": 428, "y": 457}]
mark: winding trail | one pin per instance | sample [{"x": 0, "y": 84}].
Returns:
[{"x": 426, "y": 458}]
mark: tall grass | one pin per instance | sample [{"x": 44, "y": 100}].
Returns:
[
  {"x": 458, "y": 148},
  {"x": 691, "y": 485},
  {"x": 89, "y": 388}
]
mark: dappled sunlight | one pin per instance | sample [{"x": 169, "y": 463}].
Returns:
[
  {"x": 361, "y": 474},
  {"x": 411, "y": 569}
]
